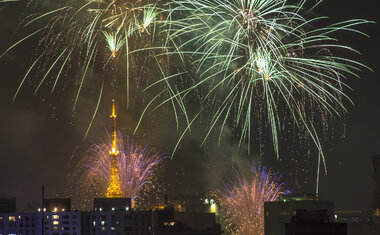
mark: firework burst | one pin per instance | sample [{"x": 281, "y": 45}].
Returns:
[
  {"x": 262, "y": 63},
  {"x": 242, "y": 202},
  {"x": 138, "y": 170},
  {"x": 73, "y": 38},
  {"x": 251, "y": 64}
]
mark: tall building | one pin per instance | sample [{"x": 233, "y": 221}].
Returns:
[
  {"x": 374, "y": 227},
  {"x": 57, "y": 204},
  {"x": 110, "y": 216},
  {"x": 112, "y": 204},
  {"x": 58, "y": 219},
  {"x": 170, "y": 222},
  {"x": 193, "y": 203},
  {"x": 115, "y": 216},
  {"x": 7, "y": 204},
  {"x": 55, "y": 218},
  {"x": 128, "y": 222},
  {"x": 314, "y": 222},
  {"x": 61, "y": 223},
  {"x": 21, "y": 223},
  {"x": 376, "y": 184},
  {"x": 277, "y": 214},
  {"x": 356, "y": 220}
]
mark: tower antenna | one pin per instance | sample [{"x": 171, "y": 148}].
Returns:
[{"x": 114, "y": 187}]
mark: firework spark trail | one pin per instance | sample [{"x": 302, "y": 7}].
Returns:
[
  {"x": 73, "y": 35},
  {"x": 242, "y": 202},
  {"x": 74, "y": 39},
  {"x": 138, "y": 169},
  {"x": 259, "y": 62},
  {"x": 4, "y": 6}
]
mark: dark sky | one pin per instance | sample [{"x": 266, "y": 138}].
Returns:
[{"x": 39, "y": 134}]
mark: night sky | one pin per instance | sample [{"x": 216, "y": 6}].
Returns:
[{"x": 40, "y": 135}]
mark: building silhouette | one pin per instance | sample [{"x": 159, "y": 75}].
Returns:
[
  {"x": 109, "y": 216},
  {"x": 314, "y": 222},
  {"x": 376, "y": 184},
  {"x": 170, "y": 222},
  {"x": 374, "y": 227},
  {"x": 356, "y": 220},
  {"x": 7, "y": 204},
  {"x": 277, "y": 214}
]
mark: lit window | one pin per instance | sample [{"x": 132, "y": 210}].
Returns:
[
  {"x": 55, "y": 209},
  {"x": 93, "y": 223},
  {"x": 55, "y": 222},
  {"x": 55, "y": 216},
  {"x": 102, "y": 222},
  {"x": 127, "y": 208},
  {"x": 113, "y": 208},
  {"x": 377, "y": 212},
  {"x": 12, "y": 218},
  {"x": 102, "y": 228},
  {"x": 113, "y": 228},
  {"x": 55, "y": 228},
  {"x": 213, "y": 208},
  {"x": 100, "y": 209}
]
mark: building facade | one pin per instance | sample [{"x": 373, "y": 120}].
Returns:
[
  {"x": 277, "y": 214},
  {"x": 315, "y": 222},
  {"x": 110, "y": 216}
]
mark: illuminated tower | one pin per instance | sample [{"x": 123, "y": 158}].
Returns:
[{"x": 114, "y": 188}]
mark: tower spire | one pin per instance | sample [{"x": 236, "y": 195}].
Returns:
[
  {"x": 114, "y": 187},
  {"x": 113, "y": 117}
]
